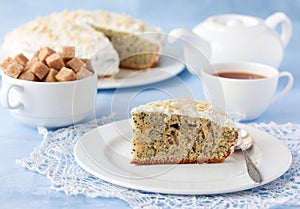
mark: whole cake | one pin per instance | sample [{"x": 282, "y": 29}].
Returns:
[
  {"x": 181, "y": 131},
  {"x": 84, "y": 30}
]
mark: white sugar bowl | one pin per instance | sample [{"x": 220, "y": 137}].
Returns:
[
  {"x": 234, "y": 37},
  {"x": 49, "y": 104}
]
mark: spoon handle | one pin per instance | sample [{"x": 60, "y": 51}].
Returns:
[{"x": 251, "y": 168}]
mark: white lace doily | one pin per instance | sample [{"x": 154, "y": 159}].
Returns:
[{"x": 54, "y": 159}]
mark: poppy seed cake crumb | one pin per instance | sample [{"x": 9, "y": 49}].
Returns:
[{"x": 163, "y": 138}]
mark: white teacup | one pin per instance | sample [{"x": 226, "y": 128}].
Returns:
[
  {"x": 245, "y": 97},
  {"x": 52, "y": 105}
]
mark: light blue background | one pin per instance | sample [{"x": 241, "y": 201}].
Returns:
[{"x": 20, "y": 188}]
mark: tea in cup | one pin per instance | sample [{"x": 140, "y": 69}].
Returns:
[{"x": 243, "y": 88}]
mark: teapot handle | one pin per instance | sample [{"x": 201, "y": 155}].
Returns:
[
  {"x": 197, "y": 51},
  {"x": 286, "y": 27}
]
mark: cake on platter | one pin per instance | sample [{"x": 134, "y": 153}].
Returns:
[
  {"x": 135, "y": 51},
  {"x": 84, "y": 30},
  {"x": 181, "y": 131}
]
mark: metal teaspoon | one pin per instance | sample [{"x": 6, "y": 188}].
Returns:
[{"x": 246, "y": 142}]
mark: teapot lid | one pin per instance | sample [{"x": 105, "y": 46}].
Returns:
[{"x": 233, "y": 21}]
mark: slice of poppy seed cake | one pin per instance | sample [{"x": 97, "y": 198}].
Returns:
[{"x": 181, "y": 131}]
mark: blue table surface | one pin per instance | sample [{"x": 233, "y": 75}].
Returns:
[{"x": 20, "y": 188}]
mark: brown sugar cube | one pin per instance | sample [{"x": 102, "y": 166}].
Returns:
[
  {"x": 4, "y": 64},
  {"x": 55, "y": 61},
  {"x": 51, "y": 76},
  {"x": 68, "y": 52},
  {"x": 76, "y": 64},
  {"x": 21, "y": 59},
  {"x": 39, "y": 69},
  {"x": 36, "y": 53},
  {"x": 27, "y": 75},
  {"x": 66, "y": 74},
  {"x": 88, "y": 64},
  {"x": 44, "y": 53},
  {"x": 32, "y": 61},
  {"x": 83, "y": 73},
  {"x": 14, "y": 69}
]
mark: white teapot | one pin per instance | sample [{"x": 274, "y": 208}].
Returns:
[{"x": 233, "y": 37}]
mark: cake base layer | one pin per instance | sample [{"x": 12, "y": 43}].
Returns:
[
  {"x": 135, "y": 52},
  {"x": 171, "y": 138}
]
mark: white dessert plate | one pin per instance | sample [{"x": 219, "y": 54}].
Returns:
[
  {"x": 167, "y": 68},
  {"x": 106, "y": 151}
]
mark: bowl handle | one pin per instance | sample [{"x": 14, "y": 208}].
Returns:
[
  {"x": 4, "y": 97},
  {"x": 286, "y": 26}
]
